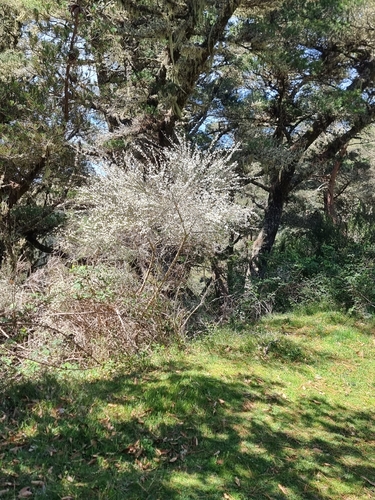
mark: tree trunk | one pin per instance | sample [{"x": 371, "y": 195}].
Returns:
[
  {"x": 262, "y": 246},
  {"x": 329, "y": 194}
]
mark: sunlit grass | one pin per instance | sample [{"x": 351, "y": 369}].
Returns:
[{"x": 283, "y": 409}]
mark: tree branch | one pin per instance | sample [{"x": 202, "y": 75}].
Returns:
[{"x": 72, "y": 58}]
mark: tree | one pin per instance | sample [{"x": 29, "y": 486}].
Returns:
[
  {"x": 308, "y": 73},
  {"x": 149, "y": 57},
  {"x": 39, "y": 162},
  {"x": 74, "y": 66}
]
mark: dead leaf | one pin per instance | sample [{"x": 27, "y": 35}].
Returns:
[
  {"x": 173, "y": 459},
  {"x": 283, "y": 489},
  {"x": 25, "y": 492},
  {"x": 37, "y": 483},
  {"x": 107, "y": 423},
  {"x": 134, "y": 449},
  {"x": 67, "y": 498},
  {"x": 70, "y": 479},
  {"x": 159, "y": 453},
  {"x": 144, "y": 464},
  {"x": 237, "y": 481},
  {"x": 227, "y": 497},
  {"x": 221, "y": 401}
]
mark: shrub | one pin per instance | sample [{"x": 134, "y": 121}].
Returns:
[
  {"x": 140, "y": 234},
  {"x": 325, "y": 266}
]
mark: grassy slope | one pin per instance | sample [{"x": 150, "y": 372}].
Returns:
[{"x": 285, "y": 413}]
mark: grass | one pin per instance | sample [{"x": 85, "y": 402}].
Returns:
[{"x": 283, "y": 410}]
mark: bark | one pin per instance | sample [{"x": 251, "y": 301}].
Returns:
[
  {"x": 187, "y": 68},
  {"x": 277, "y": 196},
  {"x": 329, "y": 194},
  {"x": 221, "y": 289},
  {"x": 11, "y": 192},
  {"x": 287, "y": 181},
  {"x": 72, "y": 58}
]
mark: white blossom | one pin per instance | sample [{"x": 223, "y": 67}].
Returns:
[{"x": 182, "y": 195}]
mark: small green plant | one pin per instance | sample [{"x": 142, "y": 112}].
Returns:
[{"x": 283, "y": 349}]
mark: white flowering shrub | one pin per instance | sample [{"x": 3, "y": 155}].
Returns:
[
  {"x": 140, "y": 232},
  {"x": 182, "y": 199}
]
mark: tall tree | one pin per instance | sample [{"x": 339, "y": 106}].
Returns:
[
  {"x": 308, "y": 89},
  {"x": 70, "y": 67},
  {"x": 38, "y": 156}
]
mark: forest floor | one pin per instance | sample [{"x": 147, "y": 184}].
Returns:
[{"x": 281, "y": 410}]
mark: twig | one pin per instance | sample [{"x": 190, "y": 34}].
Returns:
[
  {"x": 71, "y": 59},
  {"x": 8, "y": 337},
  {"x": 4, "y": 333},
  {"x": 178, "y": 253},
  {"x": 365, "y": 298},
  {"x": 203, "y": 297},
  {"x": 71, "y": 313},
  {"x": 368, "y": 480},
  {"x": 130, "y": 340},
  {"x": 70, "y": 339},
  {"x": 148, "y": 270}
]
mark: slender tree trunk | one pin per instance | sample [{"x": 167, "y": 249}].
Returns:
[
  {"x": 262, "y": 246},
  {"x": 329, "y": 194},
  {"x": 231, "y": 279}
]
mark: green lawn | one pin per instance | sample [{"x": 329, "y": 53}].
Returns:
[{"x": 281, "y": 410}]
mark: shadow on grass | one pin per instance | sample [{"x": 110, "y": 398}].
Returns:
[{"x": 179, "y": 434}]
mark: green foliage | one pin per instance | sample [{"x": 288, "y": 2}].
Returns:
[
  {"x": 292, "y": 81},
  {"x": 324, "y": 265}
]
